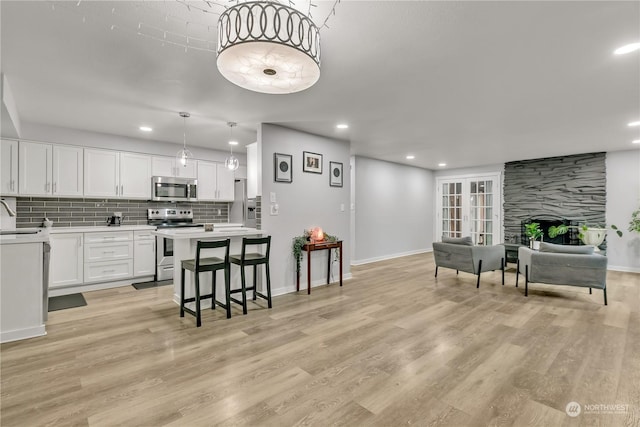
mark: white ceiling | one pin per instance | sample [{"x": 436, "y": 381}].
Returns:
[{"x": 466, "y": 83}]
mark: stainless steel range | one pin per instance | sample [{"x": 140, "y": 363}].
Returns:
[{"x": 168, "y": 218}]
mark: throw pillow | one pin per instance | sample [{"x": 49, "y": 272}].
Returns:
[
  {"x": 566, "y": 249},
  {"x": 458, "y": 240}
]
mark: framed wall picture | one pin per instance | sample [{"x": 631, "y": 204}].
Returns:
[
  {"x": 335, "y": 174},
  {"x": 311, "y": 162},
  {"x": 282, "y": 171}
]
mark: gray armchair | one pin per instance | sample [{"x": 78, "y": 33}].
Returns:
[
  {"x": 563, "y": 265},
  {"x": 461, "y": 255}
]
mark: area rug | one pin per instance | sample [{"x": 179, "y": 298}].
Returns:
[
  {"x": 63, "y": 302},
  {"x": 152, "y": 284}
]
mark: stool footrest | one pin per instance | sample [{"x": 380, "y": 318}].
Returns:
[{"x": 193, "y": 299}]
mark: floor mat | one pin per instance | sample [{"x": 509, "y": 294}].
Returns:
[
  {"x": 63, "y": 302},
  {"x": 152, "y": 284}
]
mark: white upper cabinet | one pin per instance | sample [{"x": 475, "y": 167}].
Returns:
[
  {"x": 114, "y": 174},
  {"x": 135, "y": 176},
  {"x": 225, "y": 184},
  {"x": 68, "y": 171},
  {"x": 169, "y": 166},
  {"x": 50, "y": 170},
  {"x": 35, "y": 171},
  {"x": 102, "y": 173},
  {"x": 215, "y": 182},
  {"x": 9, "y": 167}
]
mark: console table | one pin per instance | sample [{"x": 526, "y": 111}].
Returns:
[{"x": 320, "y": 246}]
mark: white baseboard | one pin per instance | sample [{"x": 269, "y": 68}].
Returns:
[
  {"x": 314, "y": 284},
  {"x": 21, "y": 334},
  {"x": 623, "y": 269},
  {"x": 391, "y": 256}
]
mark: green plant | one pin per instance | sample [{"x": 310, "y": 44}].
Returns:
[
  {"x": 299, "y": 242},
  {"x": 634, "y": 224},
  {"x": 562, "y": 229},
  {"x": 533, "y": 230}
]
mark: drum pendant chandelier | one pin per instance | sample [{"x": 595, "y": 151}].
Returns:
[{"x": 268, "y": 47}]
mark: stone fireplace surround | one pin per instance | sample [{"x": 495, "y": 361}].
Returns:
[{"x": 552, "y": 190}]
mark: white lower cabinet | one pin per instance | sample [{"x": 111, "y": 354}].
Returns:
[
  {"x": 67, "y": 263},
  {"x": 108, "y": 256},
  {"x": 144, "y": 253},
  {"x": 94, "y": 259}
]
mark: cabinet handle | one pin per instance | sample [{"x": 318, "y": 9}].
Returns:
[
  {"x": 116, "y": 189},
  {"x": 121, "y": 190},
  {"x": 80, "y": 242},
  {"x": 12, "y": 185},
  {"x": 108, "y": 271},
  {"x": 54, "y": 188},
  {"x": 108, "y": 252}
]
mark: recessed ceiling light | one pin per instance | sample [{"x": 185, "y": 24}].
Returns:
[
  {"x": 637, "y": 141},
  {"x": 442, "y": 165},
  {"x": 632, "y": 47},
  {"x": 145, "y": 128},
  {"x": 343, "y": 126},
  {"x": 634, "y": 124},
  {"x": 411, "y": 157},
  {"x": 233, "y": 142}
]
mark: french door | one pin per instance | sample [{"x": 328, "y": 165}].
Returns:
[{"x": 469, "y": 206}]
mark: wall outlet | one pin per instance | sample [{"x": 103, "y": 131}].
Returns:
[{"x": 275, "y": 209}]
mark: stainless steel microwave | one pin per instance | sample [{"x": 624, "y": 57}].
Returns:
[{"x": 170, "y": 189}]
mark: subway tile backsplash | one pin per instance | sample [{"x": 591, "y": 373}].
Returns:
[{"x": 91, "y": 212}]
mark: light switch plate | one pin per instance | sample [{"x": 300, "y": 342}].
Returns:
[
  {"x": 272, "y": 197},
  {"x": 341, "y": 207}
]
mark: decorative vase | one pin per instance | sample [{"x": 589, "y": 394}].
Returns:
[
  {"x": 593, "y": 236},
  {"x": 535, "y": 245}
]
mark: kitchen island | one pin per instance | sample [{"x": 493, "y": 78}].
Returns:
[
  {"x": 185, "y": 241},
  {"x": 24, "y": 256}
]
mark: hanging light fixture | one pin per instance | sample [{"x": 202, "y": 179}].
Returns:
[
  {"x": 184, "y": 155},
  {"x": 231, "y": 162},
  {"x": 268, "y": 47}
]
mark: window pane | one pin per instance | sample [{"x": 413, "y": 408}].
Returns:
[
  {"x": 459, "y": 188},
  {"x": 488, "y": 200},
  {"x": 445, "y": 189},
  {"x": 489, "y": 240},
  {"x": 489, "y": 186},
  {"x": 474, "y": 188}
]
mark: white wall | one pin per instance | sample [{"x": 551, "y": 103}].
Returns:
[
  {"x": 307, "y": 202},
  {"x": 623, "y": 197},
  {"x": 59, "y": 135},
  {"x": 393, "y": 210}
]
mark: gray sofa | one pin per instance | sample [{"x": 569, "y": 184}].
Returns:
[
  {"x": 563, "y": 265},
  {"x": 461, "y": 255}
]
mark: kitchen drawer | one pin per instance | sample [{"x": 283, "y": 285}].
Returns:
[
  {"x": 108, "y": 251},
  {"x": 143, "y": 235},
  {"x": 108, "y": 237},
  {"x": 108, "y": 270}
]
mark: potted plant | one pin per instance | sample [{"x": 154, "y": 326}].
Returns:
[
  {"x": 590, "y": 235},
  {"x": 533, "y": 232},
  {"x": 299, "y": 242},
  {"x": 634, "y": 224}
]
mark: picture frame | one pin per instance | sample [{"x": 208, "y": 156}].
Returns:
[
  {"x": 335, "y": 174},
  {"x": 282, "y": 167},
  {"x": 311, "y": 162}
]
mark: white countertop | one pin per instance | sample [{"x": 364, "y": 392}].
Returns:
[
  {"x": 40, "y": 236},
  {"x": 100, "y": 229},
  {"x": 199, "y": 233}
]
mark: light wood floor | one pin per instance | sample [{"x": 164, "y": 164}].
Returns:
[{"x": 393, "y": 347}]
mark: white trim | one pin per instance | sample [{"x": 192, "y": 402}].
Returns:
[
  {"x": 96, "y": 286},
  {"x": 21, "y": 334},
  {"x": 623, "y": 269},
  {"x": 391, "y": 256},
  {"x": 314, "y": 284}
]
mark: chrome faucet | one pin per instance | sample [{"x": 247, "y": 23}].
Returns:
[{"x": 6, "y": 206}]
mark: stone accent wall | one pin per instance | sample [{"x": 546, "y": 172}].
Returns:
[
  {"x": 569, "y": 187},
  {"x": 258, "y": 212},
  {"x": 91, "y": 212}
]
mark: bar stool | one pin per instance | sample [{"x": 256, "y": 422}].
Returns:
[
  {"x": 253, "y": 259},
  {"x": 200, "y": 265}
]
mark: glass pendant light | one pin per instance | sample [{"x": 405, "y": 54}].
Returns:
[
  {"x": 184, "y": 156},
  {"x": 231, "y": 162}
]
